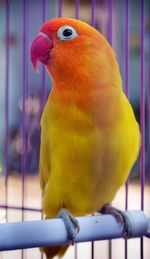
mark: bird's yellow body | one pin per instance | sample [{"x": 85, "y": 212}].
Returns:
[
  {"x": 85, "y": 158},
  {"x": 89, "y": 135}
]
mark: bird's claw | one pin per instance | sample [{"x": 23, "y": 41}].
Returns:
[
  {"x": 121, "y": 218},
  {"x": 71, "y": 224},
  {"x": 127, "y": 225}
]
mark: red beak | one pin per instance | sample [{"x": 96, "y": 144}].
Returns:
[{"x": 40, "y": 50}]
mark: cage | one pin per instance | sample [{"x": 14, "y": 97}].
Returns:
[{"x": 126, "y": 25}]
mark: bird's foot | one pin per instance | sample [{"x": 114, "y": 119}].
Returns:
[
  {"x": 121, "y": 218},
  {"x": 71, "y": 224}
]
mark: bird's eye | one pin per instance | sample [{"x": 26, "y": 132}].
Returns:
[{"x": 66, "y": 33}]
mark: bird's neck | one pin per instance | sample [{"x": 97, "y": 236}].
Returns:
[
  {"x": 82, "y": 86},
  {"x": 76, "y": 94},
  {"x": 104, "y": 98}
]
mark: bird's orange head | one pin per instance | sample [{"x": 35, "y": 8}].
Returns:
[{"x": 74, "y": 51}]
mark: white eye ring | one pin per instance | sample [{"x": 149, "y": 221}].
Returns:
[{"x": 66, "y": 33}]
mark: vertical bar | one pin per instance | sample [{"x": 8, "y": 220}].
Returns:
[
  {"x": 127, "y": 7},
  {"x": 43, "y": 79},
  {"x": 142, "y": 111},
  {"x": 142, "y": 119},
  {"x": 77, "y": 9},
  {"x": 110, "y": 25},
  {"x": 76, "y": 251},
  {"x": 127, "y": 49},
  {"x": 110, "y": 249},
  {"x": 24, "y": 118},
  {"x": 7, "y": 105},
  {"x": 60, "y": 8},
  {"x": 92, "y": 249},
  {"x": 149, "y": 115},
  {"x": 77, "y": 4},
  {"x": 93, "y": 24},
  {"x": 93, "y": 13},
  {"x": 43, "y": 10},
  {"x": 24, "y": 127},
  {"x": 43, "y": 69},
  {"x": 149, "y": 102}
]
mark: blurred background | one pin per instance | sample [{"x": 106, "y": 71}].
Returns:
[{"x": 126, "y": 25}]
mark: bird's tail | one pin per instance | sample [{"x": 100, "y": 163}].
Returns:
[{"x": 51, "y": 251}]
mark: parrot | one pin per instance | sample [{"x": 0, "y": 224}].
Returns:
[{"x": 90, "y": 138}]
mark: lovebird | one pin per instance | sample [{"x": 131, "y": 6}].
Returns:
[{"x": 90, "y": 138}]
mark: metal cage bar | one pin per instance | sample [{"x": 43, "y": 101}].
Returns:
[
  {"x": 142, "y": 118},
  {"x": 60, "y": 4},
  {"x": 110, "y": 21},
  {"x": 7, "y": 103},
  {"x": 43, "y": 92},
  {"x": 127, "y": 9}
]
